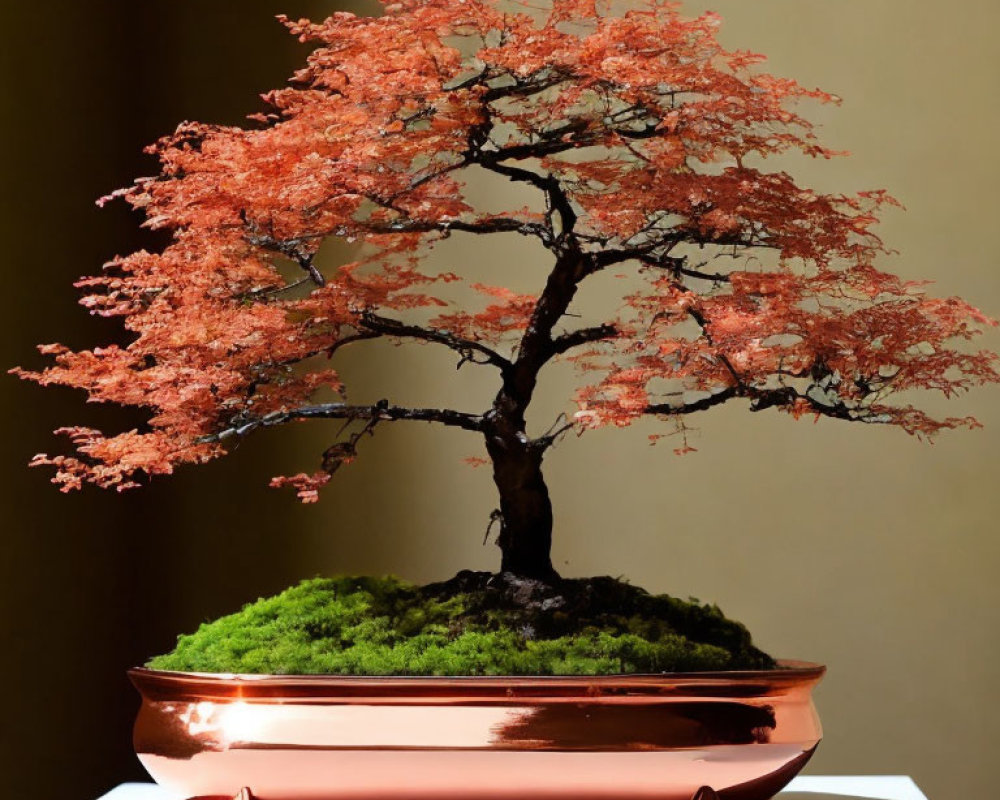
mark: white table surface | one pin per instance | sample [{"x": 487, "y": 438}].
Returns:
[{"x": 871, "y": 787}]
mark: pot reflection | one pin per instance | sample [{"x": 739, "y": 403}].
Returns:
[{"x": 340, "y": 738}]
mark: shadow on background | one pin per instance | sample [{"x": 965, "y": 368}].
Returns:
[{"x": 93, "y": 582}]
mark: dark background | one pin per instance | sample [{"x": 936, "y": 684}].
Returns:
[
  {"x": 93, "y": 582},
  {"x": 849, "y": 545}
]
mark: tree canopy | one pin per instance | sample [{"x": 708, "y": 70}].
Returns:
[{"x": 646, "y": 142}]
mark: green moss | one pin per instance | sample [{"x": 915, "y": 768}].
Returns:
[{"x": 475, "y": 624}]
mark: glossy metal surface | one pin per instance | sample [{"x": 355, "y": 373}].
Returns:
[{"x": 745, "y": 734}]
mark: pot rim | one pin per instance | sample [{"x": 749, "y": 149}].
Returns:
[{"x": 212, "y": 684}]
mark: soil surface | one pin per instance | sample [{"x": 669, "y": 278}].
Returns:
[{"x": 477, "y": 623}]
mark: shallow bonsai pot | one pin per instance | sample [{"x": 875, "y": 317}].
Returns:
[{"x": 744, "y": 734}]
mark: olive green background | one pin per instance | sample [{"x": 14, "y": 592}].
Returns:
[{"x": 854, "y": 546}]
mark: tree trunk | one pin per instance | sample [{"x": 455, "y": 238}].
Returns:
[{"x": 526, "y": 522}]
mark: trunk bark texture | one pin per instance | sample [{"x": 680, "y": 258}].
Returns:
[{"x": 526, "y": 522}]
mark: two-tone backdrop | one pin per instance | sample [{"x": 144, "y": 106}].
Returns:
[{"x": 854, "y": 546}]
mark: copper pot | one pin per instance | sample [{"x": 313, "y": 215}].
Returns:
[{"x": 744, "y": 734}]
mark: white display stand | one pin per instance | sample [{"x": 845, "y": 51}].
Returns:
[{"x": 869, "y": 787}]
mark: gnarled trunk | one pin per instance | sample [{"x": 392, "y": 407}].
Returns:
[
  {"x": 526, "y": 511},
  {"x": 526, "y": 525}
]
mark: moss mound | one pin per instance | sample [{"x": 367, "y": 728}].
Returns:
[{"x": 475, "y": 624}]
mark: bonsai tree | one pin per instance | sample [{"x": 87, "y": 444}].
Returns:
[{"x": 645, "y": 143}]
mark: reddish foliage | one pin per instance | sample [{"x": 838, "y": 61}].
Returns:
[
  {"x": 307, "y": 486},
  {"x": 645, "y": 138}
]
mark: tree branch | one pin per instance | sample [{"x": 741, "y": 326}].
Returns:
[
  {"x": 546, "y": 147},
  {"x": 568, "y": 341},
  {"x": 714, "y": 277},
  {"x": 786, "y": 395},
  {"x": 666, "y": 242},
  {"x": 381, "y": 412},
  {"x": 698, "y": 405},
  {"x": 699, "y": 318},
  {"x": 561, "y": 427},
  {"x": 607, "y": 258},
  {"x": 702, "y": 323},
  {"x": 490, "y": 225},
  {"x": 761, "y": 399},
  {"x": 678, "y": 266},
  {"x": 557, "y": 198},
  {"x": 346, "y": 340},
  {"x": 523, "y": 88},
  {"x": 648, "y": 131},
  {"x": 291, "y": 248},
  {"x": 467, "y": 348}
]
